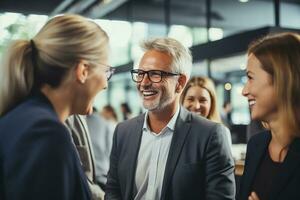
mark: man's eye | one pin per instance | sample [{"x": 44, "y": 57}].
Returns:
[{"x": 155, "y": 73}]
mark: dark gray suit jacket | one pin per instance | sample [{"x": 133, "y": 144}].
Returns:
[{"x": 199, "y": 164}]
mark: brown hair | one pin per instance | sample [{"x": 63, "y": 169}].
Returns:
[
  {"x": 207, "y": 84},
  {"x": 59, "y": 46},
  {"x": 279, "y": 55}
]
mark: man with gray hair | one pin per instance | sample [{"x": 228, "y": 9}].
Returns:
[{"x": 168, "y": 153}]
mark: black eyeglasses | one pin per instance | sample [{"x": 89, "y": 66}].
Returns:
[{"x": 155, "y": 76}]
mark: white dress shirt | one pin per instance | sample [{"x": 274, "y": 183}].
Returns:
[{"x": 152, "y": 159}]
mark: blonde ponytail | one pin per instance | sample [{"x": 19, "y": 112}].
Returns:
[
  {"x": 46, "y": 59},
  {"x": 16, "y": 77}
]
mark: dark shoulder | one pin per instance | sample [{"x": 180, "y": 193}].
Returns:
[
  {"x": 259, "y": 138},
  {"x": 32, "y": 109},
  {"x": 205, "y": 126},
  {"x": 127, "y": 125},
  {"x": 202, "y": 121},
  {"x": 32, "y": 122},
  {"x": 129, "y": 129}
]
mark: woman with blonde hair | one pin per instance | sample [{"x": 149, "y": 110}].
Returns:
[
  {"x": 273, "y": 156},
  {"x": 199, "y": 96},
  {"x": 43, "y": 81}
]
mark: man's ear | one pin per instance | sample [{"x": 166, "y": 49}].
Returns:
[
  {"x": 82, "y": 71},
  {"x": 181, "y": 83}
]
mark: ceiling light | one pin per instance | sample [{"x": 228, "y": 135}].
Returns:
[
  {"x": 243, "y": 1},
  {"x": 227, "y": 86}
]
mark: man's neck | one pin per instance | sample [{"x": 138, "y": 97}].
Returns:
[{"x": 157, "y": 120}]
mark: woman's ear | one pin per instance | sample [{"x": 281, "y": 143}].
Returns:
[
  {"x": 181, "y": 83},
  {"x": 82, "y": 71}
]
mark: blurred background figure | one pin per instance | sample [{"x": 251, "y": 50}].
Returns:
[
  {"x": 199, "y": 96},
  {"x": 109, "y": 113},
  {"x": 101, "y": 133},
  {"x": 43, "y": 82},
  {"x": 78, "y": 128},
  {"x": 126, "y": 111},
  {"x": 272, "y": 90},
  {"x": 226, "y": 114}
]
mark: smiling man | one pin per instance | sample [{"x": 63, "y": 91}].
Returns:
[{"x": 168, "y": 153}]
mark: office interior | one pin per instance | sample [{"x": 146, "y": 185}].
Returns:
[{"x": 217, "y": 32}]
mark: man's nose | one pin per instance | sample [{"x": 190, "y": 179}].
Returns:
[{"x": 145, "y": 80}]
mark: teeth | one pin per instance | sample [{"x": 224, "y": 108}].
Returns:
[
  {"x": 252, "y": 102},
  {"x": 148, "y": 93}
]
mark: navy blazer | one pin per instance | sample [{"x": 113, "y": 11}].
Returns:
[
  {"x": 199, "y": 164},
  {"x": 287, "y": 183},
  {"x": 38, "y": 160}
]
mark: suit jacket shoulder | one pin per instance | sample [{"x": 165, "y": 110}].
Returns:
[{"x": 37, "y": 157}]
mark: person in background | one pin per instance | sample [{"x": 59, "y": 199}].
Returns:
[
  {"x": 226, "y": 114},
  {"x": 168, "y": 153},
  {"x": 101, "y": 134},
  {"x": 109, "y": 113},
  {"x": 44, "y": 81},
  {"x": 273, "y": 157},
  {"x": 77, "y": 125},
  {"x": 126, "y": 111},
  {"x": 199, "y": 96}
]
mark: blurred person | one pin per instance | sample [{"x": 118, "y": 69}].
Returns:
[
  {"x": 226, "y": 114},
  {"x": 43, "y": 81},
  {"x": 77, "y": 125},
  {"x": 126, "y": 111},
  {"x": 273, "y": 157},
  {"x": 101, "y": 134},
  {"x": 168, "y": 152},
  {"x": 199, "y": 96},
  {"x": 109, "y": 113}
]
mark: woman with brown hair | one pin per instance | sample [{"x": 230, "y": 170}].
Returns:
[
  {"x": 273, "y": 157},
  {"x": 199, "y": 96},
  {"x": 43, "y": 81}
]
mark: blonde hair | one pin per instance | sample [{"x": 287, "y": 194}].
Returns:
[
  {"x": 207, "y": 84},
  {"x": 181, "y": 56},
  {"x": 279, "y": 56},
  {"x": 59, "y": 46}
]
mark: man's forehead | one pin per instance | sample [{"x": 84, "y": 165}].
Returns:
[{"x": 155, "y": 60}]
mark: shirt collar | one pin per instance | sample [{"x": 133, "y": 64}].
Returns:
[{"x": 170, "y": 125}]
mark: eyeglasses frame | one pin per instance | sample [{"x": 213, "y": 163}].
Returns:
[{"x": 163, "y": 74}]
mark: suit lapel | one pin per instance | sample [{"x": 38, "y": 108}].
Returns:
[
  {"x": 134, "y": 142},
  {"x": 182, "y": 128},
  {"x": 257, "y": 155},
  {"x": 290, "y": 164}
]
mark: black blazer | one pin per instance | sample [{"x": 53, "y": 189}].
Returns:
[
  {"x": 37, "y": 158},
  {"x": 199, "y": 164},
  {"x": 287, "y": 183}
]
